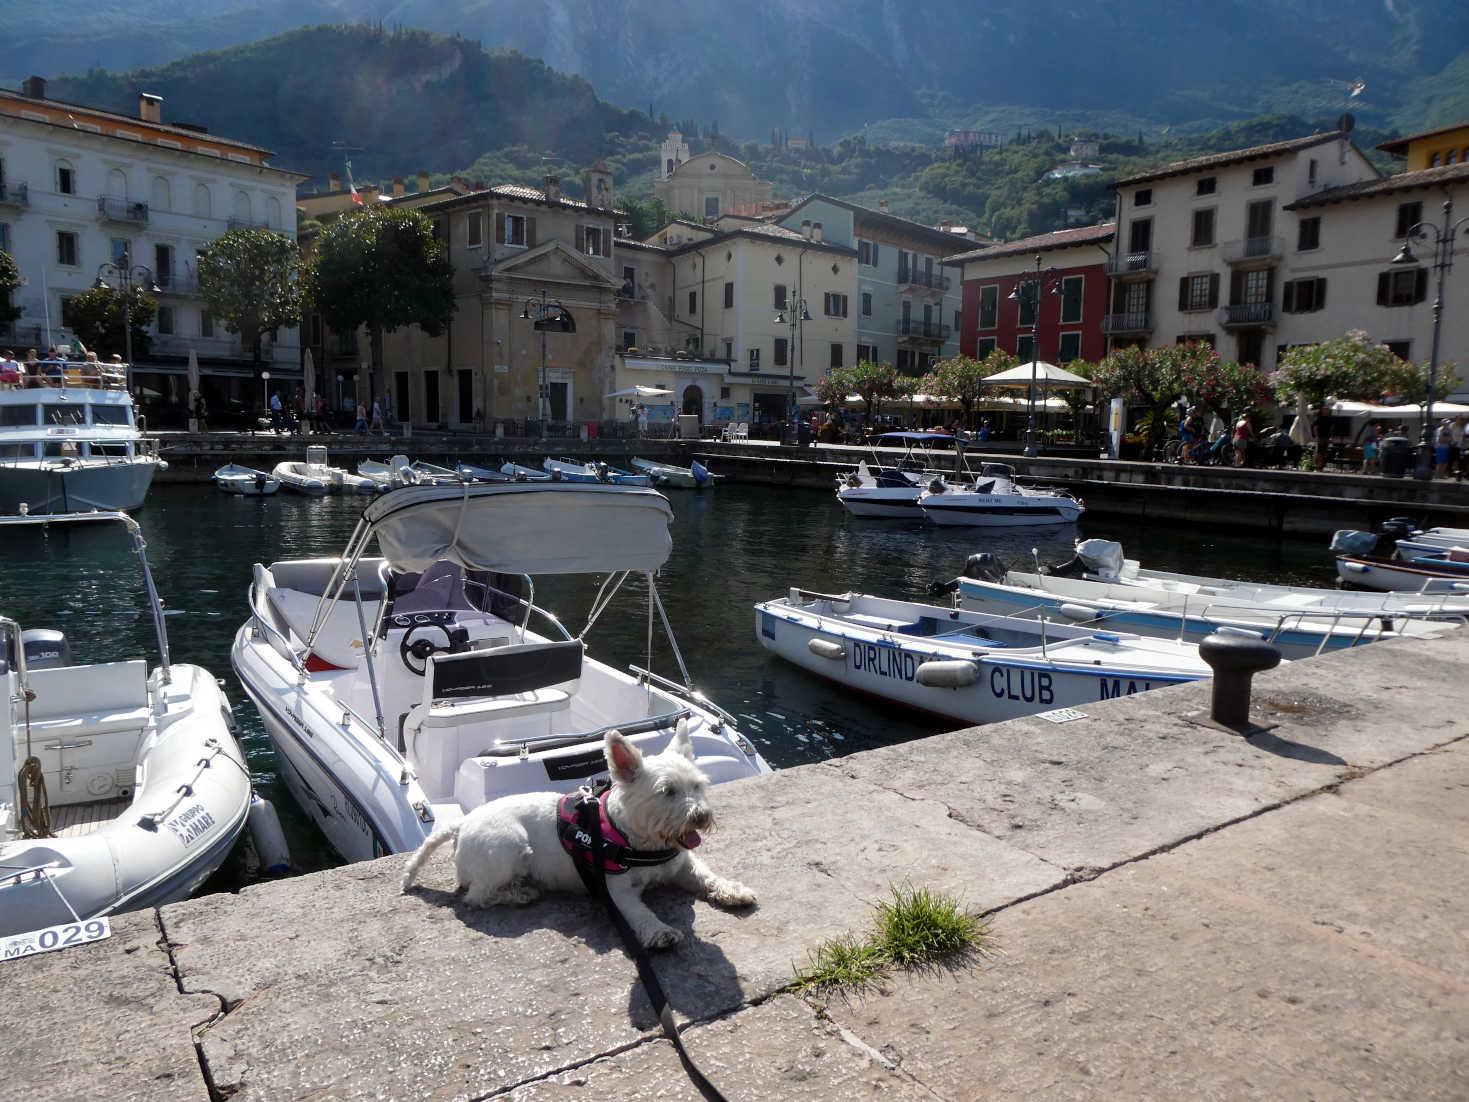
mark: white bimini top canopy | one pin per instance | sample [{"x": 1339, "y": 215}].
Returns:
[{"x": 516, "y": 528}]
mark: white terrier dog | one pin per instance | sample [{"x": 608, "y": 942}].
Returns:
[{"x": 509, "y": 850}]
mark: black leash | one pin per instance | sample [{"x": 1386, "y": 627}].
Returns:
[{"x": 589, "y": 818}]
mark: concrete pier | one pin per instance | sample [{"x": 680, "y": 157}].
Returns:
[{"x": 1178, "y": 912}]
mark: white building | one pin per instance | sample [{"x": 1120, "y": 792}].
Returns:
[
  {"x": 1205, "y": 246},
  {"x": 81, "y": 188}
]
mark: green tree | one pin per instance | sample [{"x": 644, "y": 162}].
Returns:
[
  {"x": 961, "y": 378},
  {"x": 1147, "y": 377},
  {"x": 96, "y": 317},
  {"x": 1409, "y": 381},
  {"x": 9, "y": 281},
  {"x": 1225, "y": 388},
  {"x": 383, "y": 269},
  {"x": 877, "y": 382},
  {"x": 1349, "y": 367},
  {"x": 250, "y": 280}
]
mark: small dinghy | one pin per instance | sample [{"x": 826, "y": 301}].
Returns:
[
  {"x": 967, "y": 666},
  {"x": 317, "y": 476},
  {"x": 431, "y": 474},
  {"x": 235, "y": 479},
  {"x": 695, "y": 476},
  {"x": 996, "y": 500},
  {"x": 468, "y": 472},
  {"x": 403, "y": 691},
  {"x": 517, "y": 473},
  {"x": 1420, "y": 573},
  {"x": 593, "y": 472},
  {"x": 1099, "y": 587},
  {"x": 124, "y": 787}
]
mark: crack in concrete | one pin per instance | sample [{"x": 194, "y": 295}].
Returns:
[
  {"x": 197, "y": 1031},
  {"x": 1351, "y": 773}
]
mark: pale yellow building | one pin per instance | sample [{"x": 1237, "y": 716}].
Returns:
[
  {"x": 707, "y": 185},
  {"x": 1447, "y": 145},
  {"x": 517, "y": 252}
]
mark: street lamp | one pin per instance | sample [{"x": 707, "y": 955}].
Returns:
[
  {"x": 1031, "y": 288},
  {"x": 126, "y": 276},
  {"x": 1443, "y": 260},
  {"x": 799, "y": 315},
  {"x": 265, "y": 397},
  {"x": 550, "y": 316}
]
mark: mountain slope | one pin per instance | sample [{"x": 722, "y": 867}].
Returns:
[{"x": 833, "y": 65}]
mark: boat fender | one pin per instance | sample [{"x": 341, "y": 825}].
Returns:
[
  {"x": 951, "y": 674},
  {"x": 826, "y": 648},
  {"x": 269, "y": 839},
  {"x": 1079, "y": 612}
]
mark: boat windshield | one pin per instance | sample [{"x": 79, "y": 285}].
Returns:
[
  {"x": 17, "y": 416},
  {"x": 63, "y": 413},
  {"x": 109, "y": 415}
]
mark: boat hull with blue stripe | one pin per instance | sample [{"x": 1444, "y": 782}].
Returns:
[{"x": 966, "y": 666}]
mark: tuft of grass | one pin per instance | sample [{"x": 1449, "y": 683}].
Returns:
[
  {"x": 919, "y": 926},
  {"x": 847, "y": 962},
  {"x": 916, "y": 928}
]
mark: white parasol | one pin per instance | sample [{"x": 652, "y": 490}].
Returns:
[
  {"x": 308, "y": 377},
  {"x": 1046, "y": 376},
  {"x": 640, "y": 392},
  {"x": 1300, "y": 428},
  {"x": 193, "y": 372}
]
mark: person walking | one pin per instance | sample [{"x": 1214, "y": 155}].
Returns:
[
  {"x": 361, "y": 425},
  {"x": 1372, "y": 449},
  {"x": 1242, "y": 434},
  {"x": 275, "y": 411},
  {"x": 377, "y": 417}
]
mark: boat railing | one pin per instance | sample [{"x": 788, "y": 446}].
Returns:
[
  {"x": 516, "y": 747},
  {"x": 682, "y": 691},
  {"x": 272, "y": 633},
  {"x": 1300, "y": 617}
]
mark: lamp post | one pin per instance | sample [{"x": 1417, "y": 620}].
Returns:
[
  {"x": 126, "y": 276},
  {"x": 799, "y": 315},
  {"x": 1443, "y": 260},
  {"x": 265, "y": 396},
  {"x": 1031, "y": 288},
  {"x": 546, "y": 315}
]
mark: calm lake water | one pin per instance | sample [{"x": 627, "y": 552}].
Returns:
[{"x": 731, "y": 548}]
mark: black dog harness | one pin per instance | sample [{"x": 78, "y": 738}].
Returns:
[
  {"x": 577, "y": 814},
  {"x": 599, "y": 849}
]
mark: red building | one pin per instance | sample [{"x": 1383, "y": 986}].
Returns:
[{"x": 1073, "y": 303}]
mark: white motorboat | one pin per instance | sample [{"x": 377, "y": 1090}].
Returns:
[
  {"x": 968, "y": 666},
  {"x": 468, "y": 472},
  {"x": 888, "y": 489},
  {"x": 124, "y": 787},
  {"x": 233, "y": 478},
  {"x": 996, "y": 500},
  {"x": 390, "y": 475},
  {"x": 695, "y": 476},
  {"x": 403, "y": 691},
  {"x": 317, "y": 476},
  {"x": 569, "y": 471},
  {"x": 1101, "y": 587},
  {"x": 527, "y": 474},
  {"x": 1422, "y": 574},
  {"x": 69, "y": 442}
]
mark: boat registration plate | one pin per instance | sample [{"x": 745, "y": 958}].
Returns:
[{"x": 51, "y": 938}]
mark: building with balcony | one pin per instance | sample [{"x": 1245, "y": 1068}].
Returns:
[
  {"x": 81, "y": 187},
  {"x": 905, "y": 295},
  {"x": 1074, "y": 320},
  {"x": 1205, "y": 247}
]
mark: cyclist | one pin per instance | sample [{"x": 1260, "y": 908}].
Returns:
[{"x": 1190, "y": 435}]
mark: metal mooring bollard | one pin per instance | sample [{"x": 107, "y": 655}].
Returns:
[{"x": 1235, "y": 659}]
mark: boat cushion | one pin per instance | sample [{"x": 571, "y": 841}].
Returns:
[{"x": 505, "y": 671}]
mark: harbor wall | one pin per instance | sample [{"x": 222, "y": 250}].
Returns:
[
  {"x": 1285, "y": 502},
  {"x": 1175, "y": 912}
]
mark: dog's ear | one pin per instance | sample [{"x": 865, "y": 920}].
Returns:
[
  {"x": 681, "y": 742},
  {"x": 623, "y": 758}
]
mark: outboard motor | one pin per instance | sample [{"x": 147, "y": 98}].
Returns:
[
  {"x": 45, "y": 648},
  {"x": 985, "y": 567},
  {"x": 1397, "y": 528}
]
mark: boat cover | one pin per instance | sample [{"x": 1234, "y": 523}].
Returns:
[
  {"x": 523, "y": 528},
  {"x": 1101, "y": 557}
]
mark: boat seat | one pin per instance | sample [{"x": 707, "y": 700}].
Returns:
[
  {"x": 86, "y": 724},
  {"x": 473, "y": 698}
]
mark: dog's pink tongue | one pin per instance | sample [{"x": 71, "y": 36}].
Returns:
[{"x": 690, "y": 840}]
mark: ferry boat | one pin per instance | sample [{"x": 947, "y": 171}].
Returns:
[{"x": 69, "y": 441}]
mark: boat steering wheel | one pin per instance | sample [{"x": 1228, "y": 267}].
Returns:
[{"x": 415, "y": 652}]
